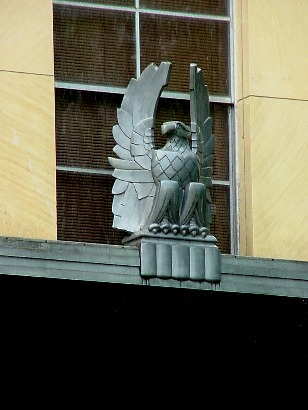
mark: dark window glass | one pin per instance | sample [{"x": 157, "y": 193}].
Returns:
[
  {"x": 183, "y": 41},
  {"x": 84, "y": 209},
  {"x": 220, "y": 226},
  {"x": 84, "y": 122},
  {"x": 93, "y": 46}
]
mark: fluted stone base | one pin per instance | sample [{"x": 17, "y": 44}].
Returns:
[{"x": 178, "y": 257}]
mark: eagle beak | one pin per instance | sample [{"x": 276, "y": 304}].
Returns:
[{"x": 167, "y": 126}]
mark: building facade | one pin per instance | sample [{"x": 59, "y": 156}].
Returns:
[
  {"x": 268, "y": 138},
  {"x": 261, "y": 226}
]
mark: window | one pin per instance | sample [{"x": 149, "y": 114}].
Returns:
[{"x": 98, "y": 46}]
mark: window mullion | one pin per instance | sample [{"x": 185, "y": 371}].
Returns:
[
  {"x": 84, "y": 170},
  {"x": 220, "y": 99},
  {"x": 209, "y": 17},
  {"x": 234, "y": 228},
  {"x": 137, "y": 39}
]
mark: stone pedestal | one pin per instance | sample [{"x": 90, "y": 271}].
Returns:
[{"x": 178, "y": 257}]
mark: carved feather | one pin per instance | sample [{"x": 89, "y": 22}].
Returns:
[
  {"x": 124, "y": 164},
  {"x": 134, "y": 186},
  {"x": 119, "y": 186},
  {"x": 203, "y": 140}
]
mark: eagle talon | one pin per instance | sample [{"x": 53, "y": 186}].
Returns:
[
  {"x": 155, "y": 228},
  {"x": 194, "y": 230},
  {"x": 203, "y": 232},
  {"x": 175, "y": 229},
  {"x": 166, "y": 228},
  {"x": 184, "y": 230}
]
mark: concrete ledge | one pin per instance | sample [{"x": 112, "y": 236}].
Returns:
[
  {"x": 273, "y": 268},
  {"x": 69, "y": 260},
  {"x": 121, "y": 264}
]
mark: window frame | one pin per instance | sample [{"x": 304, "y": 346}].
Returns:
[{"x": 228, "y": 100}]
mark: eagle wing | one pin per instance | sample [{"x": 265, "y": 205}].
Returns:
[
  {"x": 134, "y": 187},
  {"x": 203, "y": 140}
]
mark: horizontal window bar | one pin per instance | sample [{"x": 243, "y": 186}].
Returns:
[
  {"x": 212, "y": 17},
  {"x": 90, "y": 87},
  {"x": 93, "y": 5},
  {"x": 220, "y": 182},
  {"x": 82, "y": 170},
  {"x": 185, "y": 96},
  {"x": 121, "y": 90},
  {"x": 100, "y": 171}
]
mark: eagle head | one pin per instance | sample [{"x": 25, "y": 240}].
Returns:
[{"x": 176, "y": 128}]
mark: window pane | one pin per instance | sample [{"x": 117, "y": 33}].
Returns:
[
  {"x": 84, "y": 209},
  {"x": 128, "y": 3},
  {"x": 197, "y": 6},
  {"x": 220, "y": 226},
  {"x": 219, "y": 113},
  {"x": 183, "y": 41},
  {"x": 93, "y": 46},
  {"x": 84, "y": 122},
  {"x": 169, "y": 110}
]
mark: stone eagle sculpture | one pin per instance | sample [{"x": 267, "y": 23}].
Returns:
[{"x": 162, "y": 191}]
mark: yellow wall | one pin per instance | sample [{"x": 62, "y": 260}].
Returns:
[
  {"x": 272, "y": 127},
  {"x": 27, "y": 137}
]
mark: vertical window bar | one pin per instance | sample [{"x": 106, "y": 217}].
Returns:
[
  {"x": 234, "y": 228},
  {"x": 137, "y": 34},
  {"x": 234, "y": 239},
  {"x": 231, "y": 51}
]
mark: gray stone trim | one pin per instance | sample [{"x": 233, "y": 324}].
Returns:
[
  {"x": 69, "y": 260},
  {"x": 121, "y": 264}
]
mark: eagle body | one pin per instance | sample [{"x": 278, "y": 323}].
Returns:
[
  {"x": 175, "y": 162},
  {"x": 160, "y": 189}
]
